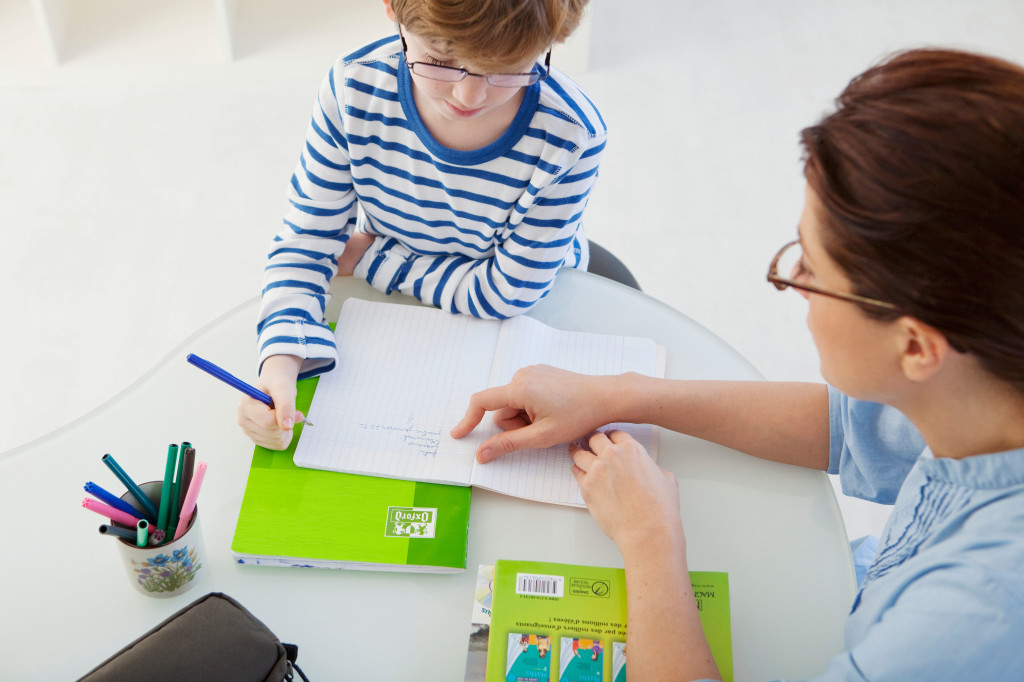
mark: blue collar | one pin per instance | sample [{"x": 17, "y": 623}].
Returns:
[
  {"x": 496, "y": 149},
  {"x": 996, "y": 470}
]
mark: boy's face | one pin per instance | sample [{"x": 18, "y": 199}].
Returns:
[{"x": 472, "y": 98}]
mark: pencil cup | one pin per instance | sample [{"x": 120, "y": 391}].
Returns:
[{"x": 169, "y": 569}]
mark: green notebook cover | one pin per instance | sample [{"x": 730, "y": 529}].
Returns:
[
  {"x": 567, "y": 623},
  {"x": 292, "y": 516}
]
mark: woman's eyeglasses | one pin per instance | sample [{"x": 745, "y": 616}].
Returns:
[
  {"x": 790, "y": 260},
  {"x": 454, "y": 74}
]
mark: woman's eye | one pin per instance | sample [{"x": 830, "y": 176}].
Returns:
[
  {"x": 433, "y": 60},
  {"x": 800, "y": 271}
]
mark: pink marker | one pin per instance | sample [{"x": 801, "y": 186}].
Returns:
[
  {"x": 189, "y": 505},
  {"x": 110, "y": 512}
]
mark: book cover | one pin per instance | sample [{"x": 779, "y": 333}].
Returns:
[
  {"x": 480, "y": 625},
  {"x": 405, "y": 376},
  {"x": 292, "y": 516},
  {"x": 550, "y": 622}
]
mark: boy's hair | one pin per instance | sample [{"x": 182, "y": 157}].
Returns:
[
  {"x": 490, "y": 34},
  {"x": 921, "y": 174}
]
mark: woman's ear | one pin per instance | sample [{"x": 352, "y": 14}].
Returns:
[
  {"x": 924, "y": 349},
  {"x": 390, "y": 12}
]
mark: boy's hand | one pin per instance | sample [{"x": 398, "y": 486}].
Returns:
[
  {"x": 272, "y": 428},
  {"x": 355, "y": 247},
  {"x": 542, "y": 406}
]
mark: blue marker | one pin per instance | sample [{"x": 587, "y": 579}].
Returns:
[
  {"x": 232, "y": 380},
  {"x": 111, "y": 499}
]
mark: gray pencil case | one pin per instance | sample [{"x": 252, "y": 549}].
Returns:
[{"x": 213, "y": 638}]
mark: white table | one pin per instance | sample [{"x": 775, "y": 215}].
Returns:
[{"x": 67, "y": 605}]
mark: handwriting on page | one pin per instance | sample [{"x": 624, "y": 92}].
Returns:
[
  {"x": 425, "y": 441},
  {"x": 404, "y": 376}
]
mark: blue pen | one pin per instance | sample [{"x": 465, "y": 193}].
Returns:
[
  {"x": 231, "y": 380},
  {"x": 111, "y": 499}
]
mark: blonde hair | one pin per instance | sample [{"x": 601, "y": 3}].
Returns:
[{"x": 490, "y": 34}]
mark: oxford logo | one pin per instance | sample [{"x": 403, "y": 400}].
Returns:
[{"x": 411, "y": 522}]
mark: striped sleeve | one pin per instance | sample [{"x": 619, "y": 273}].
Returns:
[
  {"x": 303, "y": 255},
  {"x": 544, "y": 234}
]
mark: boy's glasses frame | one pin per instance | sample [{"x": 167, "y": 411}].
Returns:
[
  {"x": 781, "y": 283},
  {"x": 454, "y": 74}
]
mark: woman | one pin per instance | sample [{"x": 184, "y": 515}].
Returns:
[{"x": 911, "y": 257}]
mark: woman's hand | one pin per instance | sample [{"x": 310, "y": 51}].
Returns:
[
  {"x": 636, "y": 503},
  {"x": 542, "y": 406},
  {"x": 633, "y": 500},
  {"x": 272, "y": 428}
]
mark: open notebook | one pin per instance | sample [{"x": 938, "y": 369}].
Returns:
[{"x": 404, "y": 378}]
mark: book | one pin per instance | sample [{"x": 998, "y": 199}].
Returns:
[
  {"x": 405, "y": 376},
  {"x": 480, "y": 625},
  {"x": 546, "y": 622},
  {"x": 292, "y": 516}
]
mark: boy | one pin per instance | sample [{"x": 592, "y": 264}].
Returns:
[{"x": 471, "y": 162}]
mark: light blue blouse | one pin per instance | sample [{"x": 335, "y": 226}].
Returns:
[{"x": 944, "y": 599}]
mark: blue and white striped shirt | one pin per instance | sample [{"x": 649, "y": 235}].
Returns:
[{"x": 481, "y": 232}]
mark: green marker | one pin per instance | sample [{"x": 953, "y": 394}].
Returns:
[
  {"x": 172, "y": 520},
  {"x": 144, "y": 502},
  {"x": 142, "y": 533},
  {"x": 167, "y": 488}
]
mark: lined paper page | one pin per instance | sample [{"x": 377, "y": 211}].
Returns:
[
  {"x": 546, "y": 475},
  {"x": 404, "y": 378}
]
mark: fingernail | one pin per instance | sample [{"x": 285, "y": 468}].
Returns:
[
  {"x": 485, "y": 455},
  {"x": 287, "y": 422}
]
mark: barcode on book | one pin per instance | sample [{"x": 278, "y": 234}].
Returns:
[{"x": 540, "y": 585}]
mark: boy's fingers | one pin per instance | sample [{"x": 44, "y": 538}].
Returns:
[
  {"x": 286, "y": 420},
  {"x": 254, "y": 412},
  {"x": 280, "y": 440},
  {"x": 284, "y": 408}
]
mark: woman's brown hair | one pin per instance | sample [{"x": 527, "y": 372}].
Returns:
[
  {"x": 491, "y": 34},
  {"x": 921, "y": 173}
]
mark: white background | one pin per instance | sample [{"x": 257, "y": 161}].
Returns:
[{"x": 142, "y": 178}]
